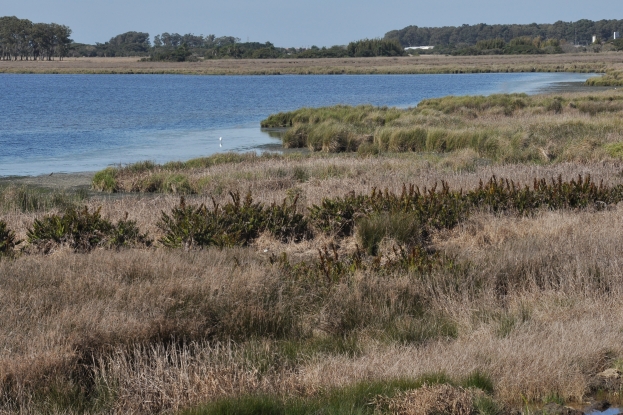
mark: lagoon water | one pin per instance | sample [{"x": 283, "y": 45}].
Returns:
[{"x": 74, "y": 123}]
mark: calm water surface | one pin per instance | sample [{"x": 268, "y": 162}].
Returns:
[{"x": 71, "y": 123}]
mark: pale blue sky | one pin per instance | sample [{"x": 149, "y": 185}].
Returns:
[{"x": 293, "y": 22}]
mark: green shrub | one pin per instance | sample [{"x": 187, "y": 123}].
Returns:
[
  {"x": 337, "y": 216},
  {"x": 126, "y": 234},
  {"x": 238, "y": 222},
  {"x": 8, "y": 240},
  {"x": 186, "y": 227},
  {"x": 83, "y": 231},
  {"x": 286, "y": 223}
]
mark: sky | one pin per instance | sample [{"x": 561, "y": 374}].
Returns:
[{"x": 292, "y": 23}]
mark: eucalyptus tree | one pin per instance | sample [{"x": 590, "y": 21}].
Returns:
[{"x": 23, "y": 39}]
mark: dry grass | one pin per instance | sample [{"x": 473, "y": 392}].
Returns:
[
  {"x": 586, "y": 62},
  {"x": 432, "y": 400},
  {"x": 530, "y": 302},
  {"x": 534, "y": 312}
]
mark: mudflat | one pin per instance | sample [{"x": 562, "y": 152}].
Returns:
[
  {"x": 585, "y": 62},
  {"x": 55, "y": 181}
]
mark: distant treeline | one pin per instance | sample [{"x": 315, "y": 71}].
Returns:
[
  {"x": 581, "y": 32},
  {"x": 517, "y": 46},
  {"x": 178, "y": 48},
  {"x": 22, "y": 39}
]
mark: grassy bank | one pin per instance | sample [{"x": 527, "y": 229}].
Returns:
[
  {"x": 499, "y": 128},
  {"x": 397, "y": 65},
  {"x": 611, "y": 78}
]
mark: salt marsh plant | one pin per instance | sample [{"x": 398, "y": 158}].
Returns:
[
  {"x": 83, "y": 231},
  {"x": 502, "y": 128},
  {"x": 238, "y": 222},
  {"x": 194, "y": 329}
]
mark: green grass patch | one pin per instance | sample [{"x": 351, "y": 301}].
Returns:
[
  {"x": 355, "y": 399},
  {"x": 36, "y": 199},
  {"x": 106, "y": 180}
]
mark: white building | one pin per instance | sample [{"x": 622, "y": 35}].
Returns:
[
  {"x": 419, "y": 47},
  {"x": 617, "y": 35}
]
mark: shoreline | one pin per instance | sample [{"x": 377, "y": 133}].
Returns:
[
  {"x": 54, "y": 181},
  {"x": 425, "y": 64},
  {"x": 82, "y": 180}
]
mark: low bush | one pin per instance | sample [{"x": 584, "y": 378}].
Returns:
[
  {"x": 238, "y": 222},
  {"x": 83, "y": 231},
  {"x": 421, "y": 211},
  {"x": 126, "y": 234}
]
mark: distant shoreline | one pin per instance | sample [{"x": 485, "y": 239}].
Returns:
[{"x": 425, "y": 64}]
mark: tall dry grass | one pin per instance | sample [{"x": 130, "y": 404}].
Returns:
[{"x": 534, "y": 305}]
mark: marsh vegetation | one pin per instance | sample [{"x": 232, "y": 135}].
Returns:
[
  {"x": 587, "y": 63},
  {"x": 498, "y": 128},
  {"x": 327, "y": 282}
]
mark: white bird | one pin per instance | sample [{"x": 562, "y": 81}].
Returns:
[{"x": 220, "y": 139}]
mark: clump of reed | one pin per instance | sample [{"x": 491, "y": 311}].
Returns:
[
  {"x": 611, "y": 78},
  {"x": 501, "y": 128}
]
